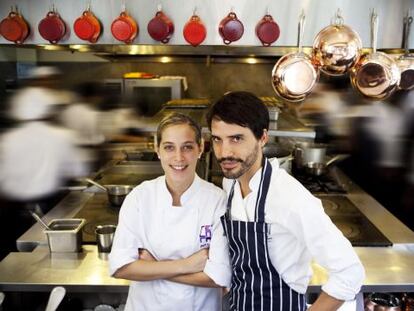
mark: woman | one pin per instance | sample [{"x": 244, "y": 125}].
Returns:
[{"x": 165, "y": 241}]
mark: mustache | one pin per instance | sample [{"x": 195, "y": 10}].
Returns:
[{"x": 232, "y": 159}]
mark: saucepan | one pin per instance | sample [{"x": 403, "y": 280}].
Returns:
[
  {"x": 337, "y": 47},
  {"x": 320, "y": 168},
  {"x": 376, "y": 75},
  {"x": 295, "y": 74},
  {"x": 382, "y": 302},
  {"x": 116, "y": 193},
  {"x": 406, "y": 61}
]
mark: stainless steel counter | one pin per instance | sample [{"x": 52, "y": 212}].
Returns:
[{"x": 389, "y": 269}]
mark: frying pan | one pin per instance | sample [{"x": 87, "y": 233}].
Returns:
[
  {"x": 337, "y": 47},
  {"x": 376, "y": 75},
  {"x": 267, "y": 30},
  {"x": 87, "y": 27},
  {"x": 160, "y": 28},
  {"x": 52, "y": 28},
  {"x": 231, "y": 28},
  {"x": 406, "y": 61},
  {"x": 14, "y": 28},
  {"x": 295, "y": 74},
  {"x": 194, "y": 31},
  {"x": 124, "y": 28},
  {"x": 116, "y": 193}
]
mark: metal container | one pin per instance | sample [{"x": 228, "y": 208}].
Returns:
[{"x": 66, "y": 235}]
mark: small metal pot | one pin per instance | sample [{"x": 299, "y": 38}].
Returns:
[
  {"x": 382, "y": 302},
  {"x": 309, "y": 152},
  {"x": 117, "y": 193},
  {"x": 320, "y": 168}
]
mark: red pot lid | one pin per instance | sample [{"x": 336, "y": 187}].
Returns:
[
  {"x": 52, "y": 29},
  {"x": 11, "y": 29},
  {"x": 194, "y": 32},
  {"x": 268, "y": 32},
  {"x": 232, "y": 30},
  {"x": 84, "y": 29},
  {"x": 121, "y": 29},
  {"x": 158, "y": 29}
]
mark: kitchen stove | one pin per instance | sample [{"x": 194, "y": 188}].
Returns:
[
  {"x": 320, "y": 184},
  {"x": 353, "y": 224}
]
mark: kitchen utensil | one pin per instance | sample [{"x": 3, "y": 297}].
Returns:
[
  {"x": 305, "y": 152},
  {"x": 87, "y": 27},
  {"x": 382, "y": 302},
  {"x": 295, "y": 74},
  {"x": 231, "y": 28},
  {"x": 267, "y": 30},
  {"x": 14, "y": 27},
  {"x": 337, "y": 47},
  {"x": 319, "y": 168},
  {"x": 194, "y": 31},
  {"x": 283, "y": 155},
  {"x": 124, "y": 28},
  {"x": 65, "y": 235},
  {"x": 161, "y": 28},
  {"x": 40, "y": 220},
  {"x": 406, "y": 62},
  {"x": 376, "y": 75},
  {"x": 56, "y": 296},
  {"x": 105, "y": 237},
  {"x": 116, "y": 193},
  {"x": 52, "y": 28}
]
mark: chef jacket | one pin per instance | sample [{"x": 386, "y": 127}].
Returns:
[
  {"x": 36, "y": 159},
  {"x": 300, "y": 232},
  {"x": 148, "y": 220}
]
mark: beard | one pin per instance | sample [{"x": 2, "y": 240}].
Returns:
[{"x": 245, "y": 164}]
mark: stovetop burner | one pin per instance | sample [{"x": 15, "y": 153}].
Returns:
[
  {"x": 320, "y": 184},
  {"x": 353, "y": 224}
]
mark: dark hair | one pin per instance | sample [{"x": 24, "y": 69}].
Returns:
[
  {"x": 241, "y": 108},
  {"x": 178, "y": 118}
]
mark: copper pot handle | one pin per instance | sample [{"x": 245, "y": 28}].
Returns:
[
  {"x": 407, "y": 25},
  {"x": 374, "y": 30},
  {"x": 301, "y": 28}
]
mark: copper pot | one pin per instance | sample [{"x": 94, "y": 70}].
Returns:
[
  {"x": 194, "y": 31},
  {"x": 295, "y": 74},
  {"x": 406, "y": 61},
  {"x": 231, "y": 28},
  {"x": 161, "y": 28},
  {"x": 376, "y": 75},
  {"x": 14, "y": 28},
  {"x": 52, "y": 28},
  {"x": 87, "y": 27},
  {"x": 267, "y": 30},
  {"x": 337, "y": 47},
  {"x": 124, "y": 28}
]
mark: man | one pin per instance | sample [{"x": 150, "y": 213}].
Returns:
[{"x": 274, "y": 226}]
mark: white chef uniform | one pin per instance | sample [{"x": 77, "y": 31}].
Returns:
[
  {"x": 299, "y": 232},
  {"x": 149, "y": 220}
]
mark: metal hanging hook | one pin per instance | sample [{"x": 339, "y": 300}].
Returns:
[
  {"x": 159, "y": 7},
  {"x": 195, "y": 10},
  {"x": 338, "y": 19}
]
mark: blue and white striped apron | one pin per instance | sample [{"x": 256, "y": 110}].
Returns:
[{"x": 256, "y": 285}]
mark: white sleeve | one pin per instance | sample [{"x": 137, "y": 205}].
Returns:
[
  {"x": 331, "y": 250},
  {"x": 127, "y": 239},
  {"x": 218, "y": 266}
]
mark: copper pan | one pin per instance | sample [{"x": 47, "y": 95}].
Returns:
[
  {"x": 295, "y": 74},
  {"x": 376, "y": 75},
  {"x": 337, "y": 47},
  {"x": 406, "y": 61}
]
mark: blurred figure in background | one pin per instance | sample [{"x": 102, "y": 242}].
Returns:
[{"x": 36, "y": 159}]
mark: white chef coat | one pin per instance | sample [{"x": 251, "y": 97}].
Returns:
[
  {"x": 148, "y": 220},
  {"x": 36, "y": 158},
  {"x": 300, "y": 231}
]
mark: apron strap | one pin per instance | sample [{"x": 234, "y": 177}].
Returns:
[{"x": 261, "y": 195}]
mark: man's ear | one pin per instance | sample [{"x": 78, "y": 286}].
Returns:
[{"x": 265, "y": 138}]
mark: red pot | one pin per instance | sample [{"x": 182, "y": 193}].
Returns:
[
  {"x": 14, "y": 28},
  {"x": 231, "y": 29},
  {"x": 87, "y": 27},
  {"x": 267, "y": 30},
  {"x": 194, "y": 31},
  {"x": 52, "y": 27},
  {"x": 161, "y": 28},
  {"x": 124, "y": 28}
]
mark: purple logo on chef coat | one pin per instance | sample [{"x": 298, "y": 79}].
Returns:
[{"x": 205, "y": 236}]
